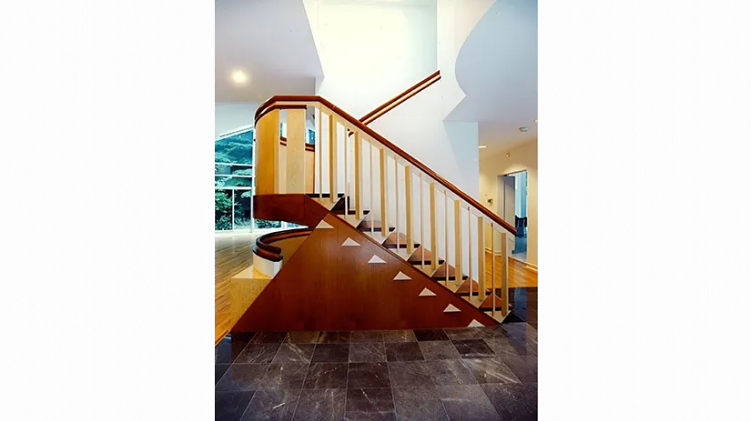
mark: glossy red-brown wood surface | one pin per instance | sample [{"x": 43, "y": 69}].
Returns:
[
  {"x": 325, "y": 286},
  {"x": 296, "y": 208}
]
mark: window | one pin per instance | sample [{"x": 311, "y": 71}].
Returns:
[{"x": 233, "y": 182}]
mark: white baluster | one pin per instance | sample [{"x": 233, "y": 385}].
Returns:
[
  {"x": 492, "y": 266},
  {"x": 422, "y": 224},
  {"x": 319, "y": 152},
  {"x": 396, "y": 192},
  {"x": 384, "y": 181},
  {"x": 346, "y": 175},
  {"x": 333, "y": 176},
  {"x": 469, "y": 253},
  {"x": 504, "y": 274},
  {"x": 372, "y": 208},
  {"x": 446, "y": 232}
]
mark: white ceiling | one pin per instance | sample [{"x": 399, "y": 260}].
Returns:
[
  {"x": 272, "y": 42},
  {"x": 497, "y": 70}
]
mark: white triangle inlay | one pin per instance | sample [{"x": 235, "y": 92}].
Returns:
[
  {"x": 323, "y": 225},
  {"x": 402, "y": 277},
  {"x": 451, "y": 309},
  {"x": 376, "y": 259},
  {"x": 475, "y": 323},
  {"x": 427, "y": 293},
  {"x": 350, "y": 243}
]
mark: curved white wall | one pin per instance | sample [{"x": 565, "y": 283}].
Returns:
[{"x": 371, "y": 51}]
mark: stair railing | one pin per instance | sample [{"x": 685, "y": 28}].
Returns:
[
  {"x": 394, "y": 180},
  {"x": 401, "y": 98}
]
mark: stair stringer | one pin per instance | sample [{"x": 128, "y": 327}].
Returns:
[{"x": 325, "y": 286}]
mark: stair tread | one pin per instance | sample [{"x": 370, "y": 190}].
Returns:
[
  {"x": 392, "y": 239},
  {"x": 440, "y": 274},
  {"x": 474, "y": 299},
  {"x": 416, "y": 257},
  {"x": 426, "y": 269},
  {"x": 487, "y": 304},
  {"x": 326, "y": 195},
  {"x": 350, "y": 212},
  {"x": 352, "y": 218},
  {"x": 452, "y": 285},
  {"x": 498, "y": 316},
  {"x": 376, "y": 225},
  {"x": 376, "y": 236},
  {"x": 464, "y": 288},
  {"x": 402, "y": 252},
  {"x": 325, "y": 202}
]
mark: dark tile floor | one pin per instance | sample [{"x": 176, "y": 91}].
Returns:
[
  {"x": 525, "y": 305},
  {"x": 487, "y": 373}
]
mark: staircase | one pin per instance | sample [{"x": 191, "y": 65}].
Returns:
[
  {"x": 421, "y": 258},
  {"x": 390, "y": 197}
]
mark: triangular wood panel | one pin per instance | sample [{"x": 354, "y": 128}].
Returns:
[
  {"x": 488, "y": 303},
  {"x": 440, "y": 274},
  {"x": 417, "y": 256},
  {"x": 328, "y": 287},
  {"x": 464, "y": 288}
]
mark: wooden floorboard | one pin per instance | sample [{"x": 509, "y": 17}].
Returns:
[
  {"x": 519, "y": 274},
  {"x": 232, "y": 255}
]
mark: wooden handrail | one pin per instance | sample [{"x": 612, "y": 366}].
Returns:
[
  {"x": 273, "y": 103},
  {"x": 403, "y": 96},
  {"x": 264, "y": 248}
]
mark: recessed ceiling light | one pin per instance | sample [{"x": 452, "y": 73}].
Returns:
[
  {"x": 523, "y": 129},
  {"x": 483, "y": 146},
  {"x": 239, "y": 77},
  {"x": 535, "y": 120}
]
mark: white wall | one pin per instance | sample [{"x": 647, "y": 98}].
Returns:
[
  {"x": 229, "y": 116},
  {"x": 520, "y": 158},
  {"x": 371, "y": 51},
  {"x": 455, "y": 21}
]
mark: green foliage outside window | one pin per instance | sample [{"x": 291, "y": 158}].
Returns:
[
  {"x": 222, "y": 210},
  {"x": 237, "y": 149}
]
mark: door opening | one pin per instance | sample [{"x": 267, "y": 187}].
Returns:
[{"x": 512, "y": 207}]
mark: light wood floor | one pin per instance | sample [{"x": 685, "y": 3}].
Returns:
[
  {"x": 520, "y": 274},
  {"x": 232, "y": 254}
]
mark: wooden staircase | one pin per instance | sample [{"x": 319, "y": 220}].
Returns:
[
  {"x": 389, "y": 196},
  {"x": 421, "y": 259}
]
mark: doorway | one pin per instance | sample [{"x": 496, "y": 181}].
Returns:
[{"x": 512, "y": 207}]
